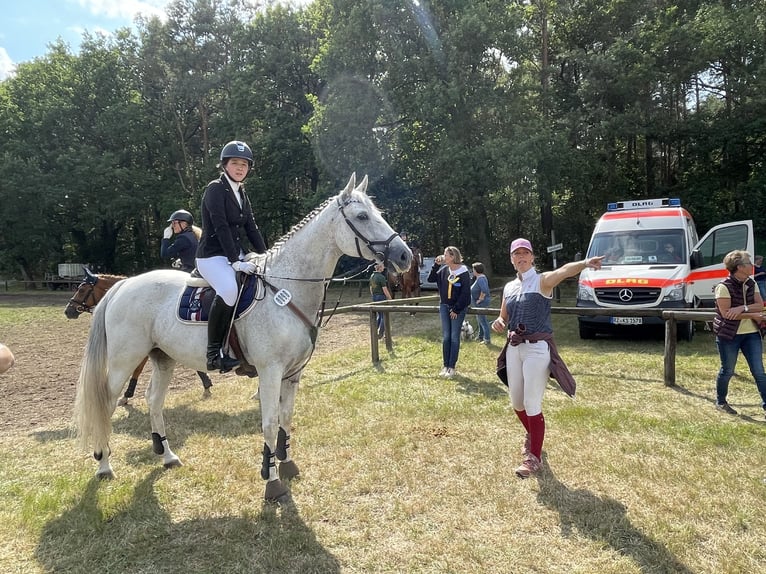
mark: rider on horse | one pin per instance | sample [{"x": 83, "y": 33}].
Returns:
[
  {"x": 226, "y": 217},
  {"x": 184, "y": 247}
]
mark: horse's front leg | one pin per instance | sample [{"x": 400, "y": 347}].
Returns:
[
  {"x": 155, "y": 400},
  {"x": 206, "y": 384},
  {"x": 289, "y": 388},
  {"x": 131, "y": 390},
  {"x": 269, "y": 390}
]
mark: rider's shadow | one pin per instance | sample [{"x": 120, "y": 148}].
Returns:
[
  {"x": 604, "y": 519},
  {"x": 141, "y": 537}
]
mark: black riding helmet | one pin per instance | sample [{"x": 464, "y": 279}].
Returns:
[
  {"x": 237, "y": 149},
  {"x": 182, "y": 215}
]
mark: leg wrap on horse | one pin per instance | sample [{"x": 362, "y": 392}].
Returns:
[
  {"x": 268, "y": 462},
  {"x": 131, "y": 390},
  {"x": 157, "y": 445},
  {"x": 217, "y": 328},
  {"x": 283, "y": 444},
  {"x": 206, "y": 382}
]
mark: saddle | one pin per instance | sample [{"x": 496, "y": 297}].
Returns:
[{"x": 194, "y": 308}]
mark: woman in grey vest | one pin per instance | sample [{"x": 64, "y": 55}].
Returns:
[{"x": 531, "y": 355}]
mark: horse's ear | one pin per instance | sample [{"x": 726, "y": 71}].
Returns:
[
  {"x": 349, "y": 187},
  {"x": 90, "y": 277},
  {"x": 362, "y": 187}
]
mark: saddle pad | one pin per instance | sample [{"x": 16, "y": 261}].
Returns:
[{"x": 194, "y": 302}]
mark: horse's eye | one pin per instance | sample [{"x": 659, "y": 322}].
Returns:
[{"x": 363, "y": 216}]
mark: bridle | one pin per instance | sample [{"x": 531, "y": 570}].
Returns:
[
  {"x": 370, "y": 244},
  {"x": 88, "y": 301}
]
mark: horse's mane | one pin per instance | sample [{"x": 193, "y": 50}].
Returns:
[
  {"x": 298, "y": 226},
  {"x": 111, "y": 277}
]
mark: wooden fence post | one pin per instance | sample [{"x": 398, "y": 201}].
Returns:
[
  {"x": 671, "y": 340},
  {"x": 374, "y": 338}
]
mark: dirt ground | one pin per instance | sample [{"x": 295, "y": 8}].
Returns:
[{"x": 39, "y": 389}]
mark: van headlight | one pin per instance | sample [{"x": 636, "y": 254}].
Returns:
[
  {"x": 585, "y": 293},
  {"x": 675, "y": 293}
]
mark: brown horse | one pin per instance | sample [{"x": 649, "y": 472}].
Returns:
[
  {"x": 409, "y": 281},
  {"x": 392, "y": 281},
  {"x": 87, "y": 296}
]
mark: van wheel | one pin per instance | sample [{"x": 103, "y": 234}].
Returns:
[
  {"x": 587, "y": 332},
  {"x": 685, "y": 331}
]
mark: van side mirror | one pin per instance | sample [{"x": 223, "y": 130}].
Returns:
[{"x": 695, "y": 259}]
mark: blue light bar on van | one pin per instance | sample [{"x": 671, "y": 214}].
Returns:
[{"x": 643, "y": 204}]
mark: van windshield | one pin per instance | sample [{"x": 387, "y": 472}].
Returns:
[{"x": 647, "y": 247}]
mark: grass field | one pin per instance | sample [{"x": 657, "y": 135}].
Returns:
[{"x": 406, "y": 472}]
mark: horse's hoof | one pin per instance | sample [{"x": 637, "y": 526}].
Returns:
[
  {"x": 288, "y": 470},
  {"x": 105, "y": 475},
  {"x": 275, "y": 490},
  {"x": 173, "y": 464},
  {"x": 206, "y": 394},
  {"x": 122, "y": 401}
]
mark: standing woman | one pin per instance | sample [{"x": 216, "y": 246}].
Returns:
[
  {"x": 738, "y": 305},
  {"x": 226, "y": 217},
  {"x": 531, "y": 353},
  {"x": 184, "y": 247},
  {"x": 480, "y": 298},
  {"x": 454, "y": 283}
]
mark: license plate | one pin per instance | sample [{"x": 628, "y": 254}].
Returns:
[{"x": 627, "y": 321}]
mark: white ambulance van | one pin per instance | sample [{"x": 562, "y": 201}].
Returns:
[{"x": 654, "y": 260}]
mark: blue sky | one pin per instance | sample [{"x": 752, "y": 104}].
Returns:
[{"x": 27, "y": 27}]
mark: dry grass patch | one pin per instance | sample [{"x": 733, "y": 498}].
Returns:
[{"x": 406, "y": 472}]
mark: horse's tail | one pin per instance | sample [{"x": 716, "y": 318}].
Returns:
[{"x": 93, "y": 405}]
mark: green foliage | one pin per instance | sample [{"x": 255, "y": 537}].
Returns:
[{"x": 476, "y": 120}]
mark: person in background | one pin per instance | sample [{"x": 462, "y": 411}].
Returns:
[
  {"x": 759, "y": 274},
  {"x": 738, "y": 307},
  {"x": 379, "y": 291},
  {"x": 454, "y": 284},
  {"x": 480, "y": 298},
  {"x": 669, "y": 254},
  {"x": 227, "y": 218},
  {"x": 531, "y": 355},
  {"x": 184, "y": 246}
]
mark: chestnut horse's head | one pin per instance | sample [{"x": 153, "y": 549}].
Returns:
[{"x": 89, "y": 293}]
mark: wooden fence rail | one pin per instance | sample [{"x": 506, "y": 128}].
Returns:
[{"x": 671, "y": 318}]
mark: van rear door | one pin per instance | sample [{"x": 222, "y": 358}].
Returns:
[{"x": 707, "y": 268}]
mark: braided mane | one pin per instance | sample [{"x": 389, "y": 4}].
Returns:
[{"x": 298, "y": 226}]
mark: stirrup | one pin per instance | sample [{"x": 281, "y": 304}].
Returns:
[{"x": 224, "y": 363}]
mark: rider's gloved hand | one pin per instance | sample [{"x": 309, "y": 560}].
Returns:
[
  {"x": 244, "y": 266},
  {"x": 168, "y": 233}
]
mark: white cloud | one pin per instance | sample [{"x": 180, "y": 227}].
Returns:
[
  {"x": 7, "y": 66},
  {"x": 125, "y": 9}
]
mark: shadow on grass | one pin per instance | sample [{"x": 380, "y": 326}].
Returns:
[
  {"x": 712, "y": 401},
  {"x": 182, "y": 421},
  {"x": 604, "y": 519},
  {"x": 142, "y": 537}
]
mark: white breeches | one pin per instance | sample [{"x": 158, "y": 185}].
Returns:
[
  {"x": 221, "y": 276},
  {"x": 528, "y": 368}
]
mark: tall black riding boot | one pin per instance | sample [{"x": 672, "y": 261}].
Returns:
[{"x": 217, "y": 328}]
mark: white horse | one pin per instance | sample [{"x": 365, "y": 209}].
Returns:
[{"x": 138, "y": 316}]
